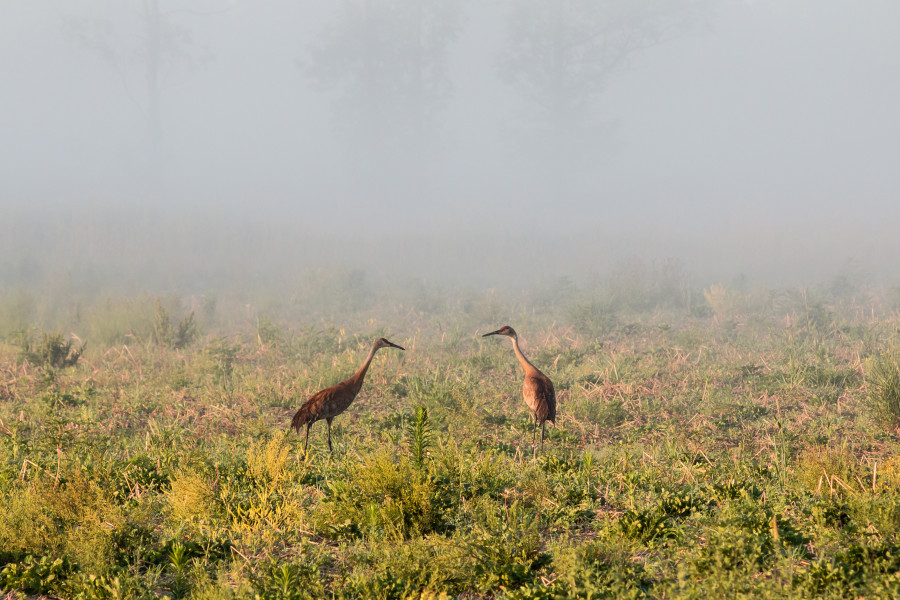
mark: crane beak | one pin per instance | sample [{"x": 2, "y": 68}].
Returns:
[
  {"x": 393, "y": 345},
  {"x": 491, "y": 333}
]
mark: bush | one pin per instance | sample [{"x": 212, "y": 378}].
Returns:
[
  {"x": 53, "y": 351},
  {"x": 170, "y": 333},
  {"x": 76, "y": 517},
  {"x": 382, "y": 499}
]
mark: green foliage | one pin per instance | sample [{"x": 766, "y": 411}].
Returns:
[
  {"x": 723, "y": 302},
  {"x": 419, "y": 436},
  {"x": 646, "y": 526},
  {"x": 75, "y": 517},
  {"x": 267, "y": 333},
  {"x": 223, "y": 357},
  {"x": 312, "y": 342},
  {"x": 121, "y": 585},
  {"x": 587, "y": 570},
  {"x": 849, "y": 571},
  {"x": 178, "y": 563},
  {"x": 35, "y": 575},
  {"x": 287, "y": 581},
  {"x": 593, "y": 317},
  {"x": 380, "y": 586},
  {"x": 692, "y": 457},
  {"x": 507, "y": 545},
  {"x": 883, "y": 380},
  {"x": 51, "y": 351},
  {"x": 169, "y": 333},
  {"x": 605, "y": 414},
  {"x": 382, "y": 498}
]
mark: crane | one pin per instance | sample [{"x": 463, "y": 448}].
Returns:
[
  {"x": 537, "y": 387},
  {"x": 332, "y": 401}
]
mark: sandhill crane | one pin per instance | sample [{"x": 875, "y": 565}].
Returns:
[
  {"x": 537, "y": 387},
  {"x": 334, "y": 400}
]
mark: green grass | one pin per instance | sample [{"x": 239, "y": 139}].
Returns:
[{"x": 744, "y": 448}]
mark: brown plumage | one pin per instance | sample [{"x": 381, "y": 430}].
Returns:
[
  {"x": 334, "y": 400},
  {"x": 537, "y": 387}
]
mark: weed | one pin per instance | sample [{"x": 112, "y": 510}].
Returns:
[
  {"x": 507, "y": 547},
  {"x": 35, "y": 575},
  {"x": 192, "y": 500},
  {"x": 178, "y": 563},
  {"x": 287, "y": 581},
  {"x": 419, "y": 436},
  {"x": 849, "y": 569},
  {"x": 646, "y": 525}
]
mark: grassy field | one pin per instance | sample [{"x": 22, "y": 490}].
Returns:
[{"x": 710, "y": 443}]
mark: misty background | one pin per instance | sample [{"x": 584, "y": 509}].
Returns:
[{"x": 186, "y": 145}]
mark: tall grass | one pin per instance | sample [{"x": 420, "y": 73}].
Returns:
[{"x": 883, "y": 380}]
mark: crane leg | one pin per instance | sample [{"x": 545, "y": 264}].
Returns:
[
  {"x": 306, "y": 440},
  {"x": 542, "y": 434},
  {"x": 330, "y": 449}
]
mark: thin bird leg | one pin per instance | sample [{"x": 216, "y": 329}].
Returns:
[
  {"x": 329, "y": 437},
  {"x": 542, "y": 434},
  {"x": 306, "y": 440}
]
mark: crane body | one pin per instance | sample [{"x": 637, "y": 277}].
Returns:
[{"x": 332, "y": 401}]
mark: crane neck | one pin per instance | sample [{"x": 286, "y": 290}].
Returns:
[
  {"x": 361, "y": 373},
  {"x": 526, "y": 364}
]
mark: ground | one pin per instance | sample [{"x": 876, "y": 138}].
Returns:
[{"x": 741, "y": 445}]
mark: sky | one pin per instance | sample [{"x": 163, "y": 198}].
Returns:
[{"x": 446, "y": 140}]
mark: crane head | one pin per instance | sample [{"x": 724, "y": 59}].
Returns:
[
  {"x": 383, "y": 343},
  {"x": 505, "y": 330}
]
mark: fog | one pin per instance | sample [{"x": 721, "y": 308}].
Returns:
[{"x": 506, "y": 142}]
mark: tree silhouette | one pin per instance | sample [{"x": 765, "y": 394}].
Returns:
[
  {"x": 561, "y": 54},
  {"x": 386, "y": 63},
  {"x": 162, "y": 47}
]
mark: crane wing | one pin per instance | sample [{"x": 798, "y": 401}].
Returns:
[{"x": 540, "y": 397}]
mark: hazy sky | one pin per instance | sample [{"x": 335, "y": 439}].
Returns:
[{"x": 748, "y": 135}]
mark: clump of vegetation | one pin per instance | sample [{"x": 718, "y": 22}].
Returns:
[
  {"x": 33, "y": 575},
  {"x": 52, "y": 350},
  {"x": 168, "y": 332},
  {"x": 723, "y": 302},
  {"x": 883, "y": 380},
  {"x": 382, "y": 498},
  {"x": 223, "y": 357}
]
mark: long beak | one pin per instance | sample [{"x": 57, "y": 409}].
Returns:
[
  {"x": 491, "y": 333},
  {"x": 393, "y": 345}
]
